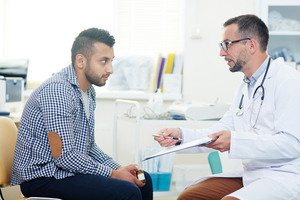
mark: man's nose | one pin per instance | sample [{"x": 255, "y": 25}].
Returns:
[
  {"x": 110, "y": 69},
  {"x": 222, "y": 52}
]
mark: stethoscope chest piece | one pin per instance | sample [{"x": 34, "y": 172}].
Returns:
[{"x": 239, "y": 111}]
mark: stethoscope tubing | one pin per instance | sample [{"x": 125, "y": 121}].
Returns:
[{"x": 240, "y": 110}]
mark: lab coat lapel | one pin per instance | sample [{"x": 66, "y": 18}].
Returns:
[
  {"x": 249, "y": 101},
  {"x": 272, "y": 67}
]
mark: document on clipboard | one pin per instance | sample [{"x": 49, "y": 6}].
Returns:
[{"x": 187, "y": 145}]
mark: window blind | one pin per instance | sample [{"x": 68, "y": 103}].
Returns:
[
  {"x": 44, "y": 31},
  {"x": 143, "y": 25}
]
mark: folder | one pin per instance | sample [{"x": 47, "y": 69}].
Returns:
[
  {"x": 178, "y": 63},
  {"x": 161, "y": 72},
  {"x": 170, "y": 63},
  {"x": 154, "y": 74}
]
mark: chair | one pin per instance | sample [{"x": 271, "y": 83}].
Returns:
[
  {"x": 8, "y": 137},
  {"x": 215, "y": 162}
]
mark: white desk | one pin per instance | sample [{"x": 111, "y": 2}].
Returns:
[
  {"x": 15, "y": 116},
  {"x": 138, "y": 122}
]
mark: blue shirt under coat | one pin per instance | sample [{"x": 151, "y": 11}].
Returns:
[{"x": 255, "y": 76}]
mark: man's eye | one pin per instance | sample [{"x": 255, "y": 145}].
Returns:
[{"x": 103, "y": 61}]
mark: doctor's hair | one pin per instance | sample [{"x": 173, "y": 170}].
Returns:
[
  {"x": 251, "y": 26},
  {"x": 84, "y": 42}
]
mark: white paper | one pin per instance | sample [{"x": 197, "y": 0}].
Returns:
[{"x": 187, "y": 145}]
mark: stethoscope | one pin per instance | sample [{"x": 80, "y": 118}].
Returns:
[{"x": 240, "y": 110}]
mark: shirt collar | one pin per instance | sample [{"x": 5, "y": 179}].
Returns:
[
  {"x": 257, "y": 73},
  {"x": 72, "y": 78}
]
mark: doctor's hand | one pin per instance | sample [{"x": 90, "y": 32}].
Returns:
[
  {"x": 127, "y": 173},
  {"x": 222, "y": 143},
  {"x": 168, "y": 132}
]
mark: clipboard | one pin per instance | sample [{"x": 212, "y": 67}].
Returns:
[{"x": 187, "y": 145}]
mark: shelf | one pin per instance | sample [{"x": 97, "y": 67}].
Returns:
[
  {"x": 15, "y": 116},
  {"x": 166, "y": 193},
  {"x": 283, "y": 33},
  {"x": 136, "y": 95},
  {"x": 169, "y": 122}
]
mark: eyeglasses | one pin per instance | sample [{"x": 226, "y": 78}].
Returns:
[{"x": 224, "y": 45}]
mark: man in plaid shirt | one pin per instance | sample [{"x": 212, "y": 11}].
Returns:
[{"x": 56, "y": 154}]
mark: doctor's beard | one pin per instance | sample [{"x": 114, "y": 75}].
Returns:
[
  {"x": 240, "y": 62},
  {"x": 237, "y": 67}
]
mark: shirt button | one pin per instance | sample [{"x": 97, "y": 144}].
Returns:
[{"x": 87, "y": 144}]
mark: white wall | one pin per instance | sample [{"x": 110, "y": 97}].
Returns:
[
  {"x": 1, "y": 26},
  {"x": 206, "y": 73}
]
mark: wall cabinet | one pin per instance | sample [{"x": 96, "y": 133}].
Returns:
[{"x": 283, "y": 21}]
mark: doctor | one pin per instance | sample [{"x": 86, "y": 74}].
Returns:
[{"x": 262, "y": 126}]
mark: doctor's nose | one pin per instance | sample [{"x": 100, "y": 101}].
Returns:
[{"x": 222, "y": 52}]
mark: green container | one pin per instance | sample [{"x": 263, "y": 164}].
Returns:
[
  {"x": 164, "y": 181},
  {"x": 154, "y": 177},
  {"x": 161, "y": 181}
]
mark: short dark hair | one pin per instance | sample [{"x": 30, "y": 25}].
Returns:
[
  {"x": 84, "y": 42},
  {"x": 251, "y": 26}
]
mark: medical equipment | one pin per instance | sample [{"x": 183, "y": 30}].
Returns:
[
  {"x": 239, "y": 111},
  {"x": 195, "y": 111},
  {"x": 11, "y": 94}
]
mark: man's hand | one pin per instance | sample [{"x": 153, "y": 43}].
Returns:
[
  {"x": 171, "y": 132},
  {"x": 127, "y": 173},
  {"x": 222, "y": 143}
]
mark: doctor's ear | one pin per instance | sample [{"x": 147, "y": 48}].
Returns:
[
  {"x": 80, "y": 61},
  {"x": 254, "y": 46}
]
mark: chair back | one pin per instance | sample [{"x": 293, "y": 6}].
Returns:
[
  {"x": 8, "y": 138},
  {"x": 215, "y": 162}
]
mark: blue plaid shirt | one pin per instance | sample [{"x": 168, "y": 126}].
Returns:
[{"x": 57, "y": 106}]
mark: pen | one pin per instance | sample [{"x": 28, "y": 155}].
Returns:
[{"x": 174, "y": 138}]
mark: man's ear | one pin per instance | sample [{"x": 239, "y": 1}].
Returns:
[
  {"x": 80, "y": 60},
  {"x": 254, "y": 46}
]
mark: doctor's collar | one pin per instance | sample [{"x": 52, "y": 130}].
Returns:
[{"x": 257, "y": 73}]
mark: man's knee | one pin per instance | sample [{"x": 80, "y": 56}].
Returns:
[
  {"x": 184, "y": 195},
  {"x": 188, "y": 195},
  {"x": 129, "y": 191}
]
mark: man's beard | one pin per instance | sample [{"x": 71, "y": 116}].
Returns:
[
  {"x": 92, "y": 77},
  {"x": 241, "y": 61},
  {"x": 237, "y": 67}
]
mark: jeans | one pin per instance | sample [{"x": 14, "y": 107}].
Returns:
[{"x": 87, "y": 187}]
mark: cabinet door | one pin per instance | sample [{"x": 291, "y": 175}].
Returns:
[{"x": 283, "y": 21}]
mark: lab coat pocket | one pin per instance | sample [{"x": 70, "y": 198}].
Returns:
[{"x": 286, "y": 182}]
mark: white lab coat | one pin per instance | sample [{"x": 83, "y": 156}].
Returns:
[{"x": 270, "y": 154}]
